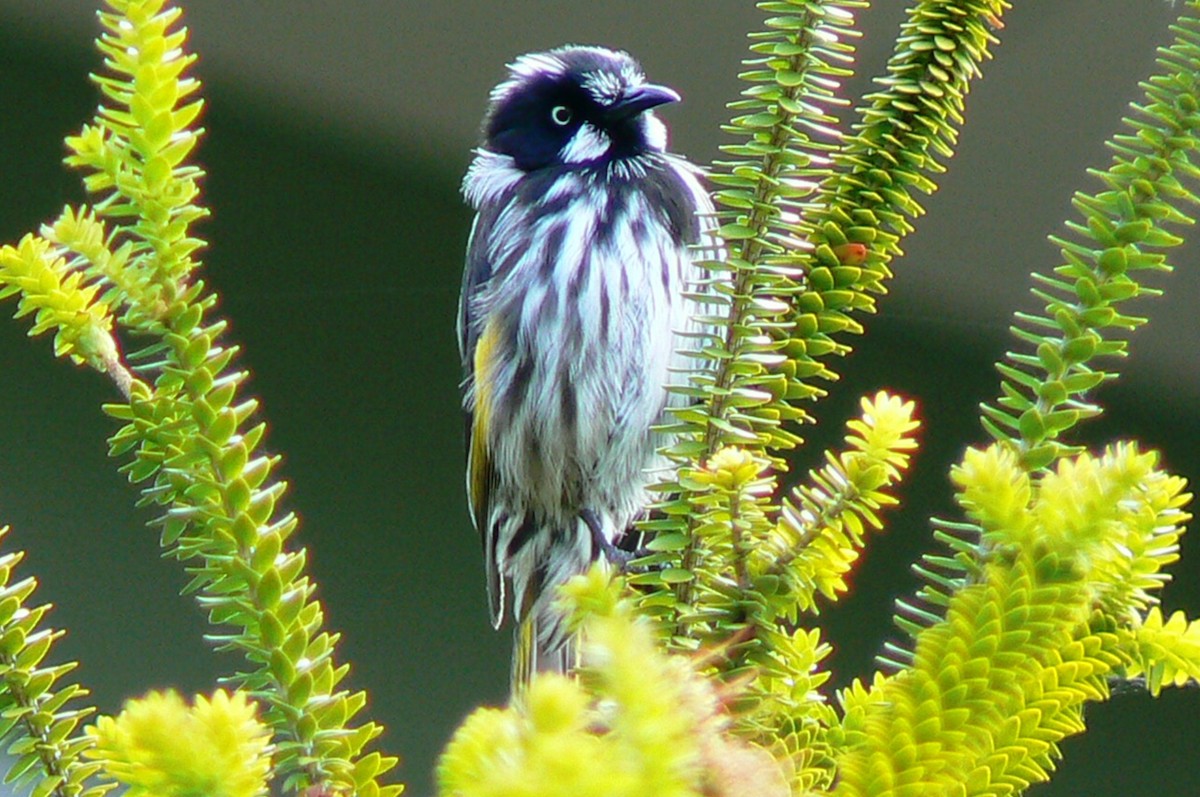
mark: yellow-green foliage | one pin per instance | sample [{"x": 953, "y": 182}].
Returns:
[
  {"x": 128, "y": 262},
  {"x": 1001, "y": 678},
  {"x": 634, "y": 724},
  {"x": 703, "y": 675},
  {"x": 1166, "y": 652},
  {"x": 991, "y": 690},
  {"x": 40, "y": 709},
  {"x": 1049, "y": 584},
  {"x": 59, "y": 300},
  {"x": 1116, "y": 517},
  {"x": 822, "y": 525},
  {"x": 753, "y": 569}
]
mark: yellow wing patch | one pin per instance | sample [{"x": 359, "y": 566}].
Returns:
[
  {"x": 480, "y": 467},
  {"x": 524, "y": 656},
  {"x": 480, "y": 473}
]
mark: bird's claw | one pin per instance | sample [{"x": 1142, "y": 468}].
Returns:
[{"x": 616, "y": 556}]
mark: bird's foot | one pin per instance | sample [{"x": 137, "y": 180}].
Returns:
[{"x": 619, "y": 557}]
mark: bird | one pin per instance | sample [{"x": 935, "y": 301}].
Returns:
[{"x": 577, "y": 310}]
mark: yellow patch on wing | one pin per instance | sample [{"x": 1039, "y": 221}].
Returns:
[
  {"x": 480, "y": 462},
  {"x": 524, "y": 656}
]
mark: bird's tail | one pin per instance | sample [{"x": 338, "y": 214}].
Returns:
[{"x": 540, "y": 652}]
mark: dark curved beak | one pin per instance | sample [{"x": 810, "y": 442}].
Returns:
[{"x": 641, "y": 98}]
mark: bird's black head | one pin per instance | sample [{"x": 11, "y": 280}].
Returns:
[{"x": 575, "y": 106}]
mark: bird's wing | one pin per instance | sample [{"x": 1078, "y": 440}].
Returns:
[{"x": 477, "y": 347}]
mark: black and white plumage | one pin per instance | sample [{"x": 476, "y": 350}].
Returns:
[{"x": 572, "y": 303}]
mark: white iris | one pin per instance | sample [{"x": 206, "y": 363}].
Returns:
[{"x": 561, "y": 115}]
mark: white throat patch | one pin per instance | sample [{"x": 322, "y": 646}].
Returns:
[
  {"x": 588, "y": 144},
  {"x": 654, "y": 131}
]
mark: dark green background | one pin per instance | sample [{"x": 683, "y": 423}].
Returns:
[{"x": 338, "y": 257}]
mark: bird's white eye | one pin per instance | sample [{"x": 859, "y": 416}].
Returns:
[{"x": 561, "y": 115}]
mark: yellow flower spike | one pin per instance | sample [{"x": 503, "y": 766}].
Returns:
[
  {"x": 161, "y": 747},
  {"x": 561, "y": 751},
  {"x": 654, "y": 705},
  {"x": 545, "y": 745}
]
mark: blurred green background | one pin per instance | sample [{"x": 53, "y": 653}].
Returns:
[{"x": 337, "y": 134}]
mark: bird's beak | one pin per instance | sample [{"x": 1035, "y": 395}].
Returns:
[{"x": 641, "y": 98}]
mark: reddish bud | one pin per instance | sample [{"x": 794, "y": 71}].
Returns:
[{"x": 851, "y": 254}]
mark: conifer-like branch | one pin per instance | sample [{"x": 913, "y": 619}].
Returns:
[
  {"x": 990, "y": 691},
  {"x": 1164, "y": 651},
  {"x": 1049, "y": 587},
  {"x": 59, "y": 299},
  {"x": 822, "y": 526},
  {"x": 39, "y": 715},
  {"x": 1000, "y": 676},
  {"x": 192, "y": 433},
  {"x": 1122, "y": 234},
  {"x": 808, "y": 230},
  {"x": 1045, "y": 393},
  {"x": 809, "y": 225}
]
